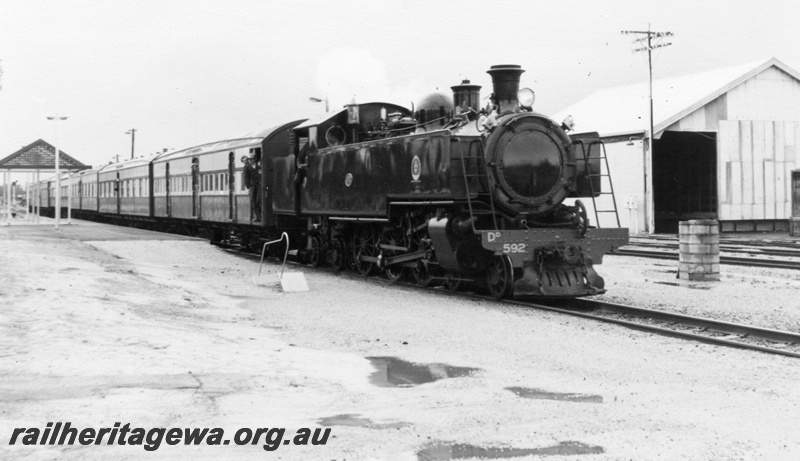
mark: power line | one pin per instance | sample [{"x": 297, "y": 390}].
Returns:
[{"x": 649, "y": 36}]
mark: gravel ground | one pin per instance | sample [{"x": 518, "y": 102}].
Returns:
[
  {"x": 750, "y": 295},
  {"x": 101, "y": 326}
]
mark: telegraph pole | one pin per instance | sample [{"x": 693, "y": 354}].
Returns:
[
  {"x": 132, "y": 132},
  {"x": 648, "y": 36}
]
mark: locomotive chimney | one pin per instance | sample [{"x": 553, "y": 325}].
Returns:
[
  {"x": 467, "y": 95},
  {"x": 505, "y": 79}
]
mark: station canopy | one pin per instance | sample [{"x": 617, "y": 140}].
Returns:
[{"x": 40, "y": 155}]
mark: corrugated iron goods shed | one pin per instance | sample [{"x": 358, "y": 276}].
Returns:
[{"x": 725, "y": 147}]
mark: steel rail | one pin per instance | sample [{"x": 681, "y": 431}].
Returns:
[
  {"x": 732, "y": 260},
  {"x": 707, "y": 325},
  {"x": 730, "y": 248}
]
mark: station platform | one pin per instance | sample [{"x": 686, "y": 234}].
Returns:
[{"x": 81, "y": 230}]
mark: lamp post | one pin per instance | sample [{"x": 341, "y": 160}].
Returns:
[
  {"x": 132, "y": 132},
  {"x": 56, "y": 118},
  {"x": 313, "y": 99}
]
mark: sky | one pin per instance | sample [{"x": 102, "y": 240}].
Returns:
[{"x": 183, "y": 73}]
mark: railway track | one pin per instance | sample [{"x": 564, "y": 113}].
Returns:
[
  {"x": 755, "y": 250},
  {"x": 689, "y": 327},
  {"x": 733, "y": 260},
  {"x": 672, "y": 324}
]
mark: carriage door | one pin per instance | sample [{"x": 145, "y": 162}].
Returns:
[
  {"x": 166, "y": 190},
  {"x": 195, "y": 187},
  {"x": 80, "y": 194},
  {"x": 118, "y": 192},
  {"x": 796, "y": 194},
  {"x": 231, "y": 186}
]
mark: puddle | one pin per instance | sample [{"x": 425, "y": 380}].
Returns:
[
  {"x": 686, "y": 285},
  {"x": 462, "y": 451},
  {"x": 530, "y": 393},
  {"x": 394, "y": 372},
  {"x": 352, "y": 420}
]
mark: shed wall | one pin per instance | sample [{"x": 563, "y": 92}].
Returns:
[{"x": 755, "y": 160}]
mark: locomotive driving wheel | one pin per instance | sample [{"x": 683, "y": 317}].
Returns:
[
  {"x": 500, "y": 277},
  {"x": 394, "y": 238},
  {"x": 364, "y": 245},
  {"x": 421, "y": 270},
  {"x": 338, "y": 253},
  {"x": 452, "y": 281},
  {"x": 315, "y": 253}
]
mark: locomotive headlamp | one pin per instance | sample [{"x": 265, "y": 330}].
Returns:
[
  {"x": 525, "y": 97},
  {"x": 568, "y": 124}
]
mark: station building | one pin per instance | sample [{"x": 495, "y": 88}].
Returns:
[{"x": 726, "y": 146}]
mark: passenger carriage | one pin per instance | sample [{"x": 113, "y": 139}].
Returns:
[
  {"x": 206, "y": 183},
  {"x": 86, "y": 190}
]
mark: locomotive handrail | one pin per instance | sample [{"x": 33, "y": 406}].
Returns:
[
  {"x": 462, "y": 158},
  {"x": 285, "y": 256},
  {"x": 603, "y": 156}
]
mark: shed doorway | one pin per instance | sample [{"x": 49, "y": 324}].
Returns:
[{"x": 684, "y": 178}]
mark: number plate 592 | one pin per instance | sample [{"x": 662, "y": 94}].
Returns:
[{"x": 514, "y": 247}]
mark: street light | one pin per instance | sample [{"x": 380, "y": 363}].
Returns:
[
  {"x": 132, "y": 132},
  {"x": 313, "y": 99},
  {"x": 56, "y": 118}
]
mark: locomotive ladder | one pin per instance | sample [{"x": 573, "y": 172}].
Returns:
[
  {"x": 600, "y": 175},
  {"x": 481, "y": 172}
]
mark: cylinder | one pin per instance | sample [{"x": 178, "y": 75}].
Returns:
[{"x": 699, "y": 250}]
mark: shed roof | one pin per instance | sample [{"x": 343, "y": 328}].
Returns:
[
  {"x": 40, "y": 155},
  {"x": 625, "y": 109}
]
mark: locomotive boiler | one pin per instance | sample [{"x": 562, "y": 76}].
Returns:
[{"x": 450, "y": 191}]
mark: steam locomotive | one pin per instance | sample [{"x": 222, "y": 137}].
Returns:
[{"x": 450, "y": 191}]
